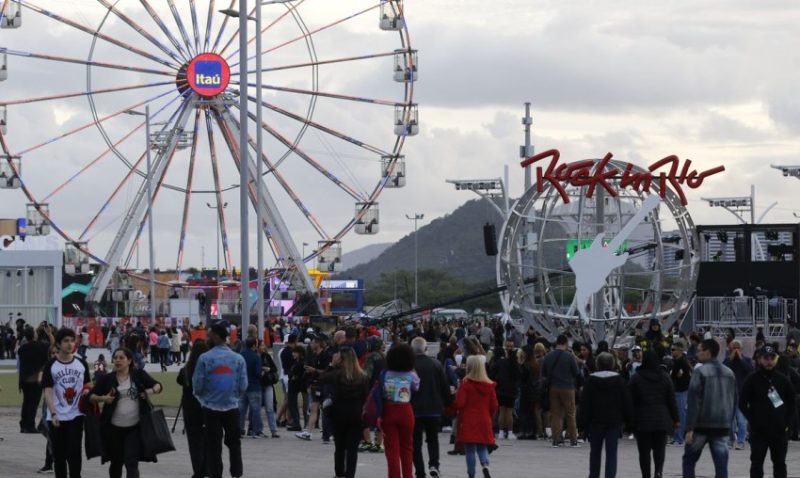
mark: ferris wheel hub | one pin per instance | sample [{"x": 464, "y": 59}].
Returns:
[{"x": 207, "y": 75}]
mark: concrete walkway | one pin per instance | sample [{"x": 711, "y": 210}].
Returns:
[{"x": 288, "y": 457}]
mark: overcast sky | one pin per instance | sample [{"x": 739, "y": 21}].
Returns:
[{"x": 712, "y": 81}]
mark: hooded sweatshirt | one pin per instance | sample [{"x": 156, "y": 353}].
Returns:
[
  {"x": 476, "y": 404},
  {"x": 604, "y": 401}
]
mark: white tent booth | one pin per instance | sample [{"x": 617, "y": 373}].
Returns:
[{"x": 30, "y": 285}]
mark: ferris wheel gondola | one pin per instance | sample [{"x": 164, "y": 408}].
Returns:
[{"x": 84, "y": 176}]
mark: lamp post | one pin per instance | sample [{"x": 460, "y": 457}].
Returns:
[
  {"x": 149, "y": 212},
  {"x": 243, "y": 121},
  {"x": 219, "y": 235},
  {"x": 416, "y": 217}
]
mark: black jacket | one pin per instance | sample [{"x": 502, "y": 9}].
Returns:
[
  {"x": 505, "y": 372},
  {"x": 681, "y": 374},
  {"x": 348, "y": 397},
  {"x": 104, "y": 385},
  {"x": 192, "y": 410},
  {"x": 32, "y": 356},
  {"x": 434, "y": 392},
  {"x": 530, "y": 391},
  {"x": 653, "y": 401},
  {"x": 605, "y": 401},
  {"x": 741, "y": 368},
  {"x": 757, "y": 407}
]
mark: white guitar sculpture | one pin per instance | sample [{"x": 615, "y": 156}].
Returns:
[{"x": 593, "y": 265}]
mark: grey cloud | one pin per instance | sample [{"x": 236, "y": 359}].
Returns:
[{"x": 722, "y": 128}]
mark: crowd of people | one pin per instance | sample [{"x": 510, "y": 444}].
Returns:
[{"x": 480, "y": 381}]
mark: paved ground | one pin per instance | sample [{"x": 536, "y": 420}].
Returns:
[
  {"x": 288, "y": 457},
  {"x": 21, "y": 455}
]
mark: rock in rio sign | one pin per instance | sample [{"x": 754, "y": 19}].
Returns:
[
  {"x": 208, "y": 74},
  {"x": 593, "y": 265},
  {"x": 584, "y": 173}
]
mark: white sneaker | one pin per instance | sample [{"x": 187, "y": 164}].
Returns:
[
  {"x": 447, "y": 429},
  {"x": 500, "y": 436},
  {"x": 303, "y": 436},
  {"x": 511, "y": 436},
  {"x": 630, "y": 437}
]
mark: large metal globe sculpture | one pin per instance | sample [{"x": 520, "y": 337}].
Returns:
[{"x": 543, "y": 233}]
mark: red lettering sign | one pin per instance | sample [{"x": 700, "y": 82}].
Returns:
[{"x": 580, "y": 173}]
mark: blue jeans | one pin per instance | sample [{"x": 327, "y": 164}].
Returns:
[
  {"x": 598, "y": 434},
  {"x": 267, "y": 398},
  {"x": 739, "y": 426},
  {"x": 680, "y": 400},
  {"x": 719, "y": 454},
  {"x": 251, "y": 400},
  {"x": 483, "y": 455}
]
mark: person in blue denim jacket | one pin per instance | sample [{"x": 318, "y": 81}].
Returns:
[{"x": 219, "y": 380}]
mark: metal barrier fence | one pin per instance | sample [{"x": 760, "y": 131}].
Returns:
[{"x": 745, "y": 315}]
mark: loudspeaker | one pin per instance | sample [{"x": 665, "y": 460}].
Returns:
[{"x": 490, "y": 239}]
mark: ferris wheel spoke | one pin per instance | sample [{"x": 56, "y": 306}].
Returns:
[
  {"x": 301, "y": 91},
  {"x": 114, "y": 194},
  {"x": 195, "y": 26},
  {"x": 292, "y": 8},
  {"x": 323, "y": 128},
  {"x": 222, "y": 27},
  {"x": 181, "y": 27},
  {"x": 209, "y": 26},
  {"x": 141, "y": 30},
  {"x": 99, "y": 64},
  {"x": 218, "y": 191},
  {"x": 93, "y": 123},
  {"x": 4, "y": 145},
  {"x": 312, "y": 32},
  {"x": 148, "y": 213},
  {"x": 91, "y": 163},
  {"x": 234, "y": 35},
  {"x": 355, "y": 194},
  {"x": 84, "y": 93},
  {"x": 323, "y": 62},
  {"x": 233, "y": 148},
  {"x": 163, "y": 27},
  {"x": 312, "y": 219},
  {"x": 105, "y": 153},
  {"x": 187, "y": 200},
  {"x": 134, "y": 168},
  {"x": 98, "y": 34}
]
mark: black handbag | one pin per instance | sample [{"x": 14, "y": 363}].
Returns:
[
  {"x": 154, "y": 433},
  {"x": 269, "y": 378},
  {"x": 92, "y": 431}
]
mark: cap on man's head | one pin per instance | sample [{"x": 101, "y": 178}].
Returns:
[
  {"x": 767, "y": 350},
  {"x": 220, "y": 331},
  {"x": 636, "y": 348}
]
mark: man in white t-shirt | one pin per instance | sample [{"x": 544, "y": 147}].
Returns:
[{"x": 64, "y": 380}]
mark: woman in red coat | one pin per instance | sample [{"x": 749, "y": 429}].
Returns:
[{"x": 476, "y": 404}]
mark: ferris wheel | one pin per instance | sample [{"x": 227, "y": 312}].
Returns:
[{"x": 338, "y": 85}]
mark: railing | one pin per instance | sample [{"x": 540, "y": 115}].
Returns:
[{"x": 745, "y": 315}]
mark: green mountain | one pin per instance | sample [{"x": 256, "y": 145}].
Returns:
[{"x": 452, "y": 244}]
